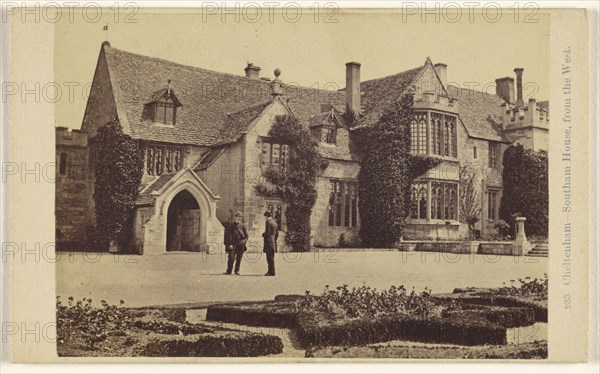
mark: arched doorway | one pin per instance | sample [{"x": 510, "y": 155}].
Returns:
[{"x": 183, "y": 223}]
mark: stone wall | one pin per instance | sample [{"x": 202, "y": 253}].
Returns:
[{"x": 73, "y": 213}]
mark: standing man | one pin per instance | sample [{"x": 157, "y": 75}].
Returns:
[
  {"x": 270, "y": 235},
  {"x": 236, "y": 237}
]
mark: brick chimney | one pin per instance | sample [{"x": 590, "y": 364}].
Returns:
[
  {"x": 519, "y": 73},
  {"x": 505, "y": 88},
  {"x": 252, "y": 71},
  {"x": 440, "y": 69},
  {"x": 353, "y": 87}
]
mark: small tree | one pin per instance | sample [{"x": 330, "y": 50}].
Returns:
[{"x": 469, "y": 201}]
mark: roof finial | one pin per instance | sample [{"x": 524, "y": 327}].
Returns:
[
  {"x": 276, "y": 84},
  {"x": 168, "y": 86}
]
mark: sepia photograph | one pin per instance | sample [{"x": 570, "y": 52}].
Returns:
[{"x": 327, "y": 185}]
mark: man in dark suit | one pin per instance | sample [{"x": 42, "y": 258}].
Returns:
[
  {"x": 270, "y": 247},
  {"x": 236, "y": 237}
]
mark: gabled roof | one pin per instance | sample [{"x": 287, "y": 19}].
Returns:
[
  {"x": 379, "y": 94},
  {"x": 324, "y": 118},
  {"x": 207, "y": 98},
  {"x": 479, "y": 112}
]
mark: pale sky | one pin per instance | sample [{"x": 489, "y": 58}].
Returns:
[{"x": 307, "y": 52}]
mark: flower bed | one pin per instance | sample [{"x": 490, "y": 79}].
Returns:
[{"x": 111, "y": 331}]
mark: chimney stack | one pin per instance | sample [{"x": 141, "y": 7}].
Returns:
[
  {"x": 252, "y": 71},
  {"x": 505, "y": 88},
  {"x": 353, "y": 87},
  {"x": 519, "y": 73},
  {"x": 440, "y": 69}
]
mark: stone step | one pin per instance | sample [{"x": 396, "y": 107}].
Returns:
[{"x": 532, "y": 254}]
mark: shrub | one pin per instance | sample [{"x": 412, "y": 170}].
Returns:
[
  {"x": 93, "y": 324},
  {"x": 527, "y": 287},
  {"x": 525, "y": 188}
]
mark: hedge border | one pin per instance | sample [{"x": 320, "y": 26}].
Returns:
[{"x": 246, "y": 345}]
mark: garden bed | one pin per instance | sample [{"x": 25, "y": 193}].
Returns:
[{"x": 109, "y": 331}]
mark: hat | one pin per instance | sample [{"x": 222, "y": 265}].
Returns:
[
  {"x": 239, "y": 214},
  {"x": 268, "y": 214}
]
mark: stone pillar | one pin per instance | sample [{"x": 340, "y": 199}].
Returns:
[
  {"x": 521, "y": 229},
  {"x": 521, "y": 246}
]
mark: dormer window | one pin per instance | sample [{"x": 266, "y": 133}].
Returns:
[
  {"x": 162, "y": 109},
  {"x": 330, "y": 133}
]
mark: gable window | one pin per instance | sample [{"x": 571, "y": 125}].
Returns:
[
  {"x": 493, "y": 155},
  {"x": 343, "y": 203},
  {"x": 163, "y": 159},
  {"x": 443, "y": 135},
  {"x": 418, "y": 134},
  {"x": 275, "y": 154}
]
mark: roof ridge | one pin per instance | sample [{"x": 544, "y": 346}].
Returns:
[{"x": 292, "y": 85}]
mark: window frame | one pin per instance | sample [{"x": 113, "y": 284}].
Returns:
[
  {"x": 441, "y": 198},
  {"x": 157, "y": 166},
  {"x": 493, "y": 153},
  {"x": 284, "y": 158},
  {"x": 342, "y": 207}
]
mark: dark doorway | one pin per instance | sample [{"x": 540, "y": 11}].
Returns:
[{"x": 183, "y": 223}]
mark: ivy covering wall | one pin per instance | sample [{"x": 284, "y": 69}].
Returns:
[
  {"x": 296, "y": 184},
  {"x": 525, "y": 189},
  {"x": 387, "y": 170},
  {"x": 119, "y": 170}
]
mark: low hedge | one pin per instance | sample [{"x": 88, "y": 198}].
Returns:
[
  {"x": 505, "y": 317},
  {"x": 172, "y": 327},
  {"x": 214, "y": 345},
  {"x": 540, "y": 309},
  {"x": 364, "y": 331},
  {"x": 265, "y": 314}
]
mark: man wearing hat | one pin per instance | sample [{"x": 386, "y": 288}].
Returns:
[
  {"x": 236, "y": 237},
  {"x": 270, "y": 247}
]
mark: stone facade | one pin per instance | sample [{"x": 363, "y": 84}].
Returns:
[
  {"x": 218, "y": 175},
  {"x": 73, "y": 213}
]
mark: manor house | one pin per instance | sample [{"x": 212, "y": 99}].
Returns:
[{"x": 206, "y": 140}]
